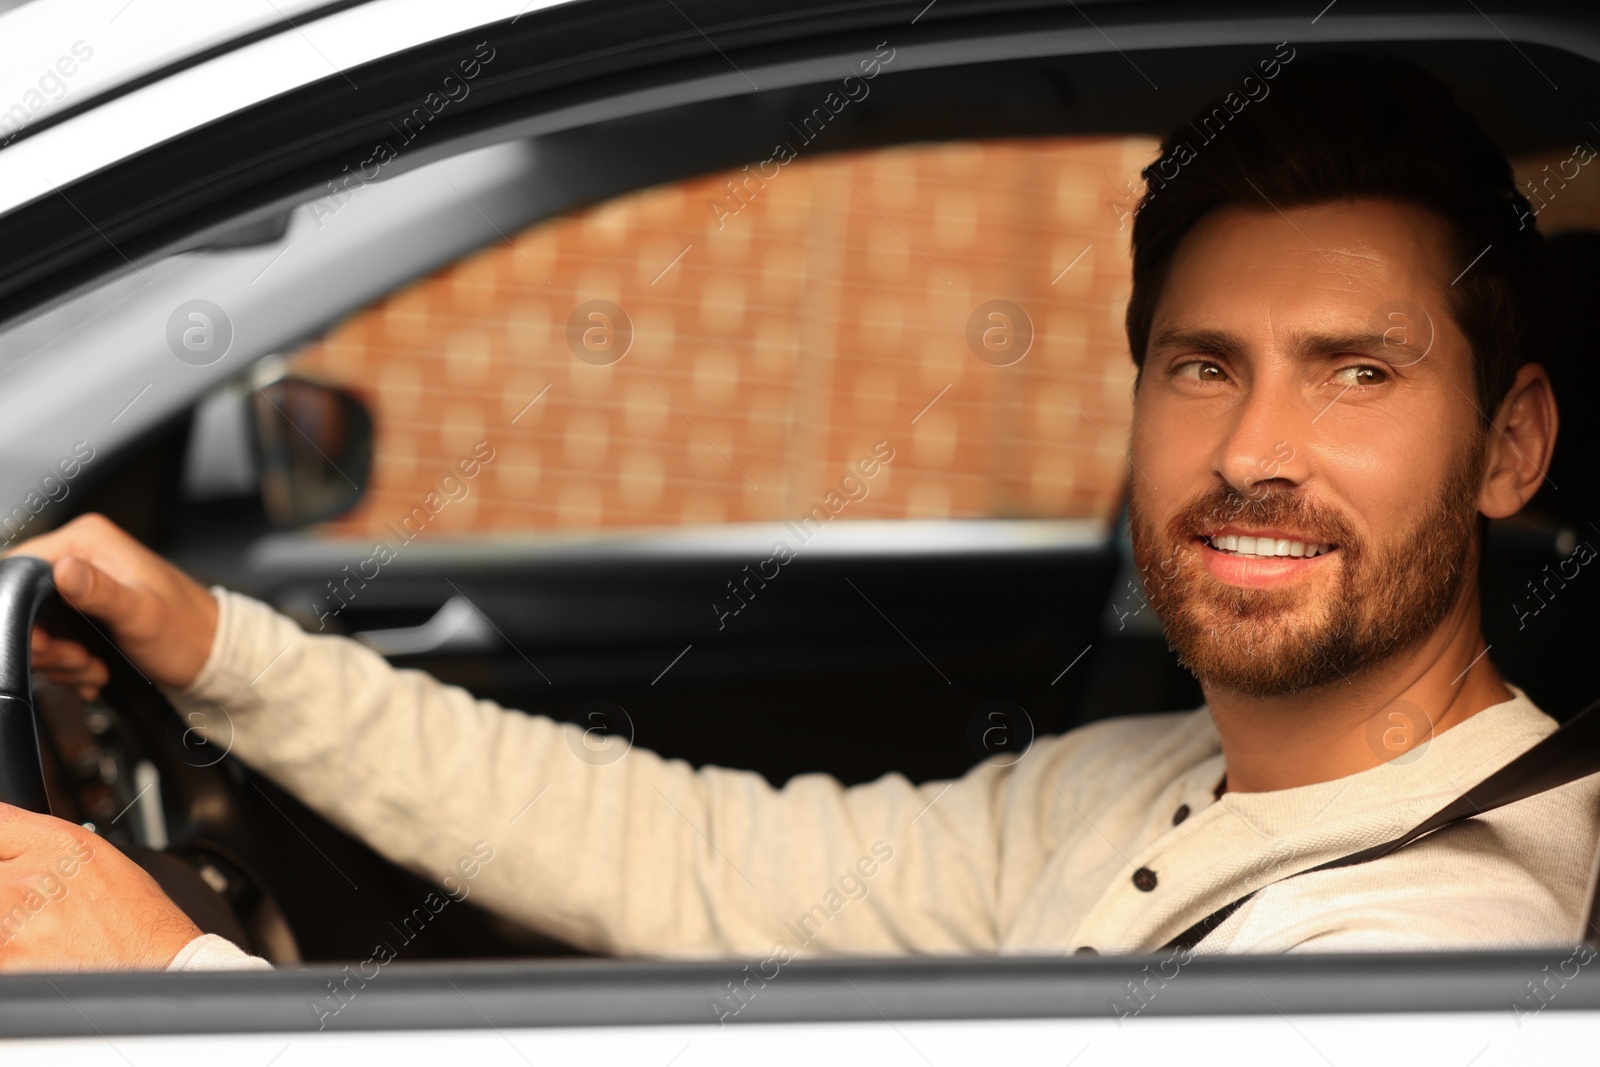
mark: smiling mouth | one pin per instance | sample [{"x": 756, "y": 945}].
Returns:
[{"x": 1266, "y": 547}]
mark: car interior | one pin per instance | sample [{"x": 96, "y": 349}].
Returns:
[{"x": 669, "y": 344}]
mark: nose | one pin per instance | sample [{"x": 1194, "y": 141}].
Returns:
[{"x": 1263, "y": 448}]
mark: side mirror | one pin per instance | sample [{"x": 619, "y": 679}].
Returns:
[
  {"x": 302, "y": 446},
  {"x": 313, "y": 450}
]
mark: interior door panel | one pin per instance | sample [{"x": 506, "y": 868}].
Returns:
[{"x": 855, "y": 664}]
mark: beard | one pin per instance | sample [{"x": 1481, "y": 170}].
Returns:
[{"x": 1274, "y": 642}]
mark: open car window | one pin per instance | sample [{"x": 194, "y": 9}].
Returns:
[{"x": 728, "y": 349}]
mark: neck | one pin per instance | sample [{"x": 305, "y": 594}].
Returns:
[{"x": 1359, "y": 722}]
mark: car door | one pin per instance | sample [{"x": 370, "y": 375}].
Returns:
[{"x": 524, "y": 586}]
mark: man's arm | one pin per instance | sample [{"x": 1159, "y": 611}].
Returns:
[
  {"x": 641, "y": 855},
  {"x": 636, "y": 854}
]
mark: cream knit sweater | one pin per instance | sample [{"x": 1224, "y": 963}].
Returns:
[{"x": 1077, "y": 846}]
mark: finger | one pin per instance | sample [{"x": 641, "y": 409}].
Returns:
[
  {"x": 93, "y": 674},
  {"x": 57, "y": 652},
  {"x": 23, "y": 831},
  {"x": 40, "y": 642},
  {"x": 71, "y": 664},
  {"x": 66, "y": 662},
  {"x": 79, "y": 537},
  {"x": 94, "y": 592}
]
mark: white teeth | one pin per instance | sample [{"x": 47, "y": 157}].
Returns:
[{"x": 1267, "y": 547}]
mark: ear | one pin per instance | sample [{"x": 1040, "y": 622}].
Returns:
[{"x": 1520, "y": 444}]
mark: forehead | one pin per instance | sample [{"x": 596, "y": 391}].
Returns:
[{"x": 1310, "y": 267}]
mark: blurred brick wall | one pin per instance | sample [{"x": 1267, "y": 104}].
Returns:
[{"x": 821, "y": 317}]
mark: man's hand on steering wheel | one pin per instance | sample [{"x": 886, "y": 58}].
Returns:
[
  {"x": 160, "y": 618},
  {"x": 71, "y": 901}
]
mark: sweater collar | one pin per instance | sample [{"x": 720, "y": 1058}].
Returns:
[{"x": 1452, "y": 761}]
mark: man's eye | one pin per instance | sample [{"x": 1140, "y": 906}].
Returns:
[
  {"x": 1200, "y": 370},
  {"x": 1361, "y": 374}
]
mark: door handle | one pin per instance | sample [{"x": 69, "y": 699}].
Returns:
[{"x": 458, "y": 626}]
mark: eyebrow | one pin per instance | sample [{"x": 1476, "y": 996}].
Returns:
[{"x": 1305, "y": 345}]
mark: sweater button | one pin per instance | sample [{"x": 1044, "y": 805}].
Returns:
[
  {"x": 1144, "y": 879},
  {"x": 1181, "y": 814},
  {"x": 1085, "y": 950}
]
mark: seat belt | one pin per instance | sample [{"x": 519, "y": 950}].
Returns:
[{"x": 1570, "y": 753}]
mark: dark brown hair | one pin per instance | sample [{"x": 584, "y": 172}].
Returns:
[{"x": 1342, "y": 127}]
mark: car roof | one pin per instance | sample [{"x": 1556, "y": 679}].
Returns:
[
  {"x": 143, "y": 88},
  {"x": 128, "y": 43}
]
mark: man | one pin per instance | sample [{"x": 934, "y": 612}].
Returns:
[{"x": 1334, "y": 311}]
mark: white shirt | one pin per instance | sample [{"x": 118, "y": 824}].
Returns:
[{"x": 1077, "y": 845}]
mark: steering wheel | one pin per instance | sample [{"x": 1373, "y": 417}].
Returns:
[
  {"x": 204, "y": 873},
  {"x": 25, "y": 582}
]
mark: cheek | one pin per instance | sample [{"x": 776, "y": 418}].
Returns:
[
  {"x": 1169, "y": 456},
  {"x": 1377, "y": 478},
  {"x": 1385, "y": 477},
  {"x": 1360, "y": 472}
]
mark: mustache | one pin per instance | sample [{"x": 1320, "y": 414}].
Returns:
[{"x": 1283, "y": 509}]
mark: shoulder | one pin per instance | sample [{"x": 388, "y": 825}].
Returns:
[{"x": 1516, "y": 877}]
